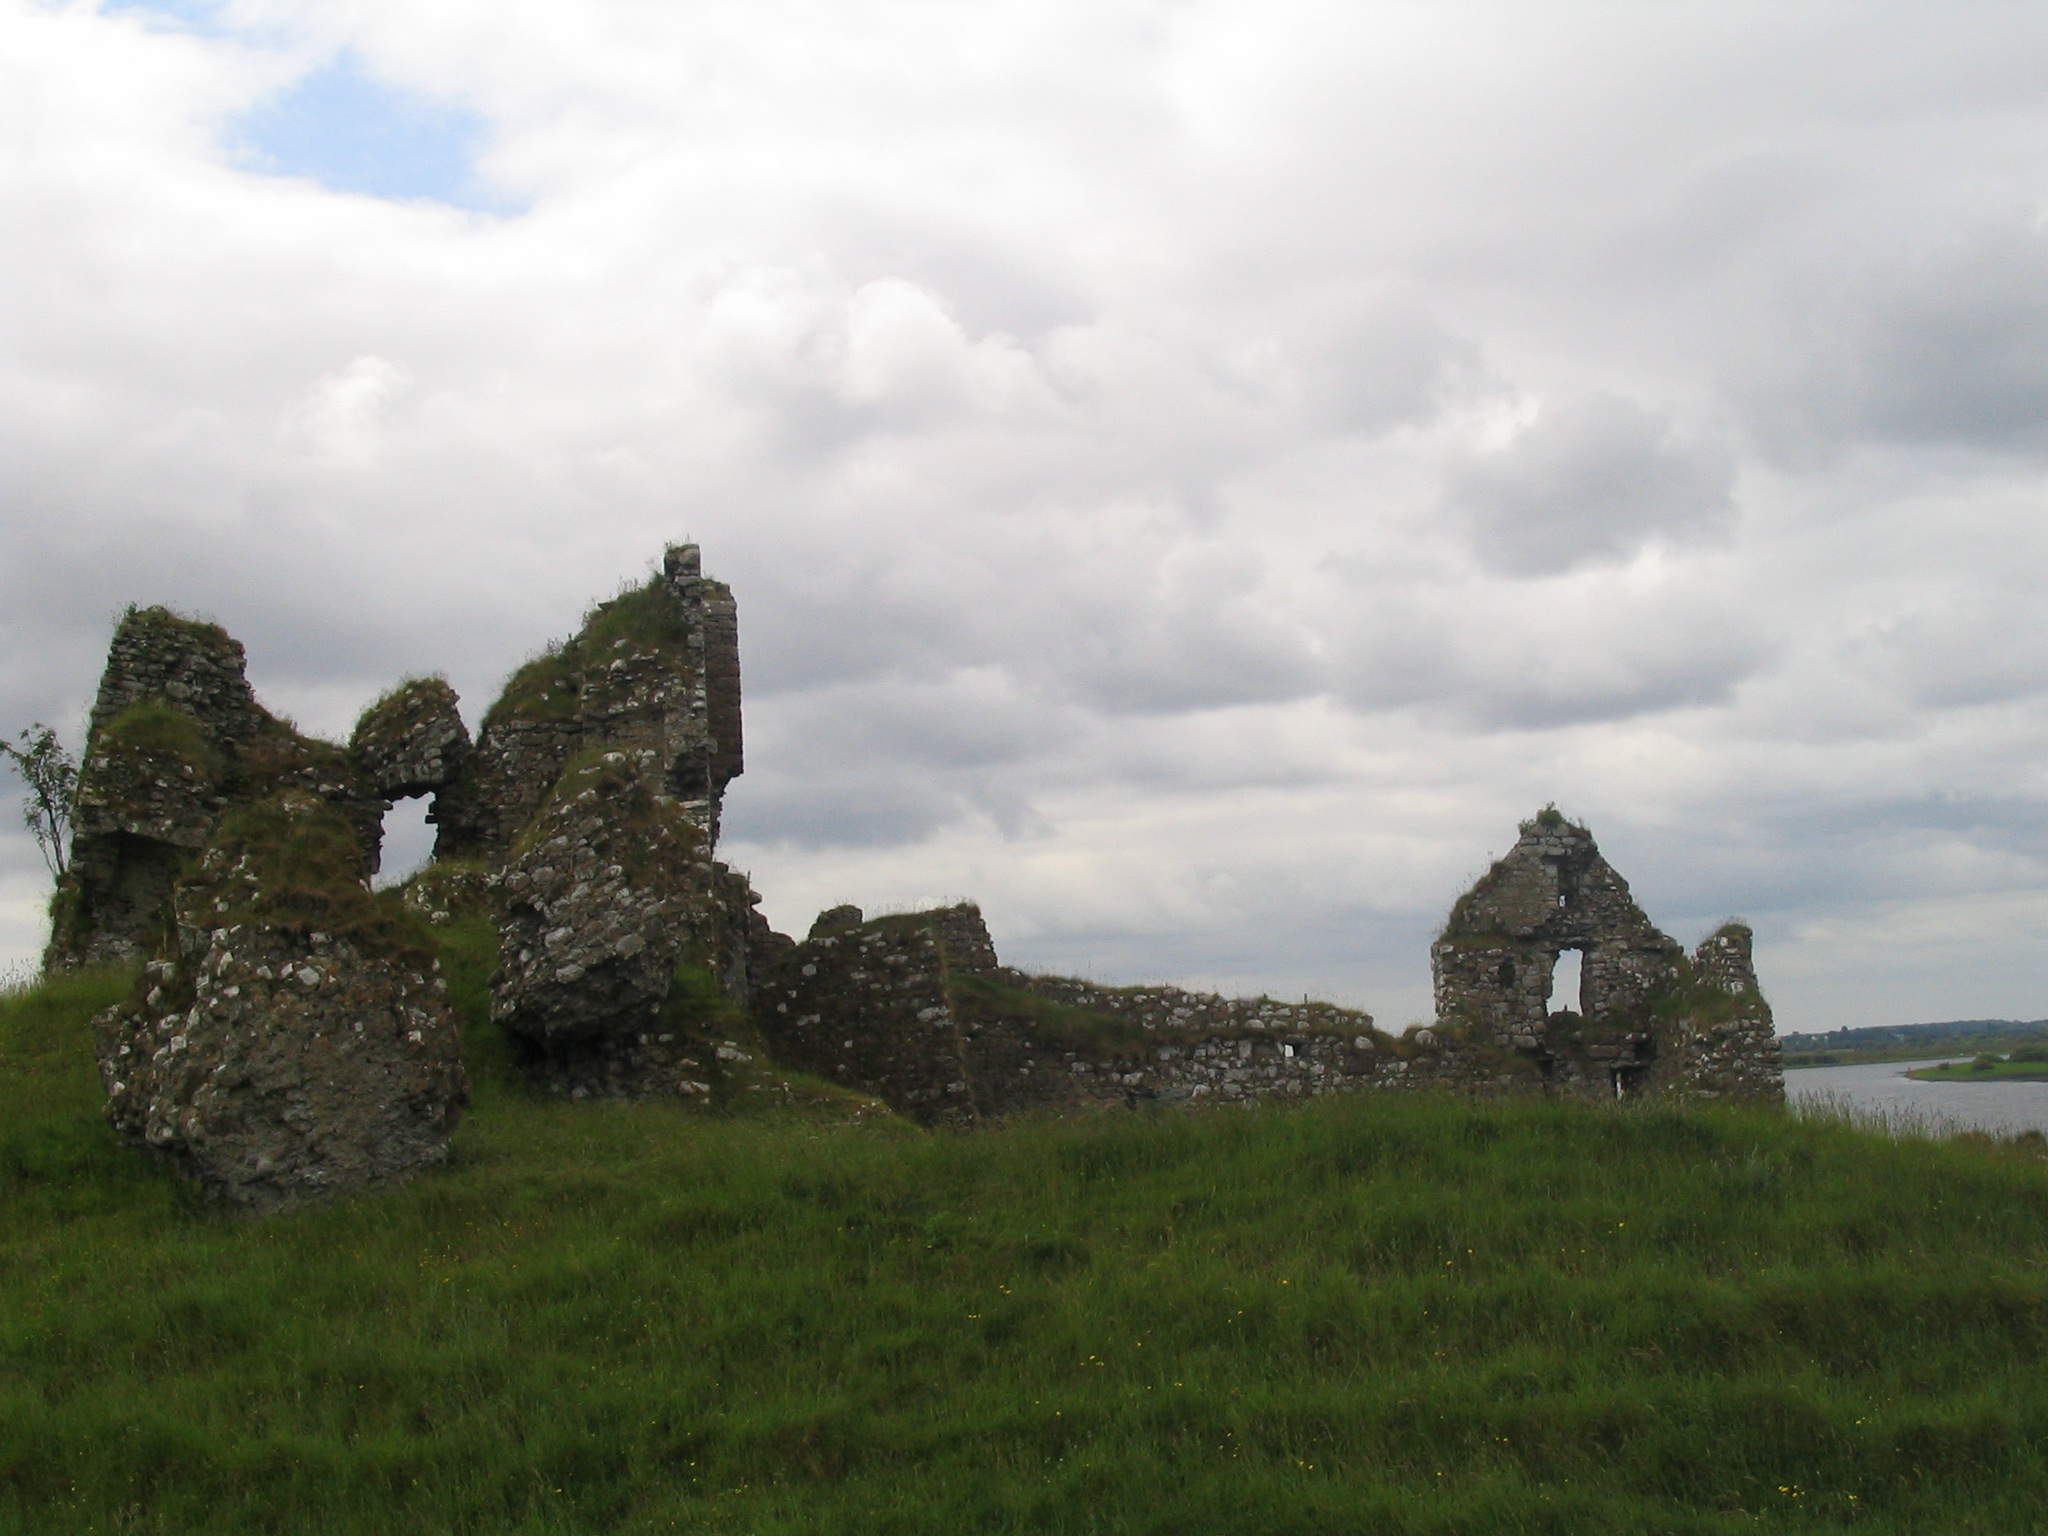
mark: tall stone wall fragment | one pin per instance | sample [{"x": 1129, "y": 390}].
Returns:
[{"x": 653, "y": 673}]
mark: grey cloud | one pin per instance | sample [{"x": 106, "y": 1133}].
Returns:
[
  {"x": 1593, "y": 478},
  {"x": 822, "y": 809},
  {"x": 1947, "y": 345},
  {"x": 1536, "y": 657},
  {"x": 1362, "y": 364},
  {"x": 965, "y": 720},
  {"x": 889, "y": 761},
  {"x": 1983, "y": 648}
]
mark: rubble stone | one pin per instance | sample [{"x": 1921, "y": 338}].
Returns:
[{"x": 292, "y": 1038}]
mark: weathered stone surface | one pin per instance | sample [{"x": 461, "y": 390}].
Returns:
[
  {"x": 598, "y": 904},
  {"x": 1648, "y": 1018},
  {"x": 626, "y": 956},
  {"x": 412, "y": 741},
  {"x": 652, "y": 674},
  {"x": 196, "y": 666},
  {"x": 176, "y": 738},
  {"x": 916, "y": 1009},
  {"x": 870, "y": 1006},
  {"x": 293, "y": 1038},
  {"x": 836, "y": 920}
]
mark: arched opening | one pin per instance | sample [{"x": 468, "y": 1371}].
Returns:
[
  {"x": 1567, "y": 983},
  {"x": 408, "y": 842}
]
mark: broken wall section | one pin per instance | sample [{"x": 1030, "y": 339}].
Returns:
[
  {"x": 916, "y": 1009},
  {"x": 176, "y": 740},
  {"x": 1649, "y": 1019},
  {"x": 593, "y": 794}
]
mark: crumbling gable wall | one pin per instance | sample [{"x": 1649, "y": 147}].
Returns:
[{"x": 1648, "y": 1017}]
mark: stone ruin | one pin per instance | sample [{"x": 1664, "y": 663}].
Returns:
[
  {"x": 290, "y": 1035},
  {"x": 916, "y": 1009},
  {"x": 1648, "y": 1018}
]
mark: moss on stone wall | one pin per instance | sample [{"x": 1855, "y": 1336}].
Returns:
[
  {"x": 1055, "y": 1026},
  {"x": 645, "y": 620},
  {"x": 157, "y": 735},
  {"x": 293, "y": 863}
]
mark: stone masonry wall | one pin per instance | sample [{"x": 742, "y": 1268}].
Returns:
[
  {"x": 1648, "y": 1018},
  {"x": 914, "y": 1009}
]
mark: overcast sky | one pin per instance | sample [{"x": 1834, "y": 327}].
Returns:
[{"x": 1195, "y": 475}]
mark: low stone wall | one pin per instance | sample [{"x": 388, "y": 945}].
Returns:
[{"x": 914, "y": 1009}]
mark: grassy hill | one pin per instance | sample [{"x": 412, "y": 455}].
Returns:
[{"x": 1380, "y": 1314}]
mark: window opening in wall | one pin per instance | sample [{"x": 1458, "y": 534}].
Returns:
[
  {"x": 408, "y": 842},
  {"x": 1567, "y": 983}
]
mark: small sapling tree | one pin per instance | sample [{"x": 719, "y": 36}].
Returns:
[{"x": 51, "y": 775}]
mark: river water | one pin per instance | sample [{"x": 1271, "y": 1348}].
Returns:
[{"x": 1883, "y": 1090}]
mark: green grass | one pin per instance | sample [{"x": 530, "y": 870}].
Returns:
[
  {"x": 1947, "y": 1045},
  {"x": 149, "y": 734},
  {"x": 1984, "y": 1068},
  {"x": 1376, "y": 1314}
]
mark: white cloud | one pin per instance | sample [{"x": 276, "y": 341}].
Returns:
[{"x": 1193, "y": 474}]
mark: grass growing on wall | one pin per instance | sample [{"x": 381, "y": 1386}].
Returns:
[{"x": 1375, "y": 1314}]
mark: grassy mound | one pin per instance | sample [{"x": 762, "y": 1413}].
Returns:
[{"x": 1380, "y": 1314}]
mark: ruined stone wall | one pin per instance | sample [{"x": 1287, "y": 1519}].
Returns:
[
  {"x": 653, "y": 674},
  {"x": 722, "y": 684},
  {"x": 915, "y": 1009},
  {"x": 195, "y": 666},
  {"x": 1171, "y": 1009},
  {"x": 290, "y": 1037},
  {"x": 1648, "y": 1019},
  {"x": 412, "y": 741},
  {"x": 595, "y": 791},
  {"x": 177, "y": 739},
  {"x": 870, "y": 1006}
]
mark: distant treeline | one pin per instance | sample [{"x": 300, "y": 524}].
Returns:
[{"x": 1877, "y": 1038}]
